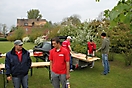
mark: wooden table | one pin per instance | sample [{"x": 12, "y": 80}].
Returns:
[
  {"x": 34, "y": 65},
  {"x": 40, "y": 64},
  {"x": 81, "y": 60},
  {"x": 82, "y": 57}
]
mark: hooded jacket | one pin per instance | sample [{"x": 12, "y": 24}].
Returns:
[
  {"x": 16, "y": 68},
  {"x": 105, "y": 46}
]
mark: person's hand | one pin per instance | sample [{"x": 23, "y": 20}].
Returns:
[
  {"x": 9, "y": 78},
  {"x": 93, "y": 54},
  {"x": 71, "y": 52},
  {"x": 67, "y": 76}
]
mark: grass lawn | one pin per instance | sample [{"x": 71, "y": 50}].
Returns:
[{"x": 119, "y": 76}]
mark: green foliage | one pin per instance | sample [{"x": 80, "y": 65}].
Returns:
[
  {"x": 34, "y": 14},
  {"x": 80, "y": 33},
  {"x": 121, "y": 41},
  {"x": 17, "y": 34},
  {"x": 11, "y": 38},
  {"x": 111, "y": 56},
  {"x": 3, "y": 39},
  {"x": 79, "y": 48},
  {"x": 53, "y": 33},
  {"x": 41, "y": 31},
  {"x": 36, "y": 32},
  {"x": 48, "y": 25},
  {"x": 122, "y": 13},
  {"x": 128, "y": 57}
]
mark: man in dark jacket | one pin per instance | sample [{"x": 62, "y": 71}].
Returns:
[
  {"x": 17, "y": 65},
  {"x": 105, "y": 51}
]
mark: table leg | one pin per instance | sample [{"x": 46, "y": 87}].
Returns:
[
  {"x": 3, "y": 79},
  {"x": 36, "y": 59},
  {"x": 31, "y": 71},
  {"x": 49, "y": 73}
]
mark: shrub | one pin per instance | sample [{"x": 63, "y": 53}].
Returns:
[
  {"x": 128, "y": 57},
  {"x": 3, "y": 39},
  {"x": 17, "y": 34},
  {"x": 79, "y": 48},
  {"x": 11, "y": 38},
  {"x": 36, "y": 32},
  {"x": 25, "y": 39},
  {"x": 39, "y": 40}
]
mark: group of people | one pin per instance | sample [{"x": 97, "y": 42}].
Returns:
[
  {"x": 105, "y": 51},
  {"x": 18, "y": 61}
]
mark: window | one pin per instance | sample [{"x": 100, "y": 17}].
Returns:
[
  {"x": 25, "y": 24},
  {"x": 33, "y": 23}
]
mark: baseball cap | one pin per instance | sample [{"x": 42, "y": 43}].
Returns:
[
  {"x": 18, "y": 42},
  {"x": 69, "y": 37}
]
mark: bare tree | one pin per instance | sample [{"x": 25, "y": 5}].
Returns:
[
  {"x": 101, "y": 16},
  {"x": 3, "y": 29},
  {"x": 72, "y": 20}
]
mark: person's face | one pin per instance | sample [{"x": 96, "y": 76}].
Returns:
[
  {"x": 68, "y": 39},
  {"x": 55, "y": 45},
  {"x": 18, "y": 47}
]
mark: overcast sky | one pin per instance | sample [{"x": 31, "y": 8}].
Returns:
[{"x": 52, "y": 10}]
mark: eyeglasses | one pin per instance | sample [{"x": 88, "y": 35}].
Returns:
[{"x": 21, "y": 45}]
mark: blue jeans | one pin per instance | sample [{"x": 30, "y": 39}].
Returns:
[
  {"x": 18, "y": 81},
  {"x": 56, "y": 79},
  {"x": 71, "y": 67},
  {"x": 105, "y": 63}
]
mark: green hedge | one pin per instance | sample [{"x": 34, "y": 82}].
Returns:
[{"x": 3, "y": 39}]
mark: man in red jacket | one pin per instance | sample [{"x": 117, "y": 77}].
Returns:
[
  {"x": 66, "y": 45},
  {"x": 59, "y": 64},
  {"x": 91, "y": 51}
]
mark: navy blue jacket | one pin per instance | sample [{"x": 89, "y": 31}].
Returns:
[{"x": 16, "y": 68}]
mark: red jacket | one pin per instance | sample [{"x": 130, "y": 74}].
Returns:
[
  {"x": 66, "y": 45},
  {"x": 91, "y": 47}
]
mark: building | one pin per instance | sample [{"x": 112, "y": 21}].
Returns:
[{"x": 28, "y": 24}]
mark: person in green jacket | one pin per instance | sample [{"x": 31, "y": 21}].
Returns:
[{"x": 105, "y": 51}]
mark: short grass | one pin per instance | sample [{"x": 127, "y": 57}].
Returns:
[{"x": 119, "y": 76}]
